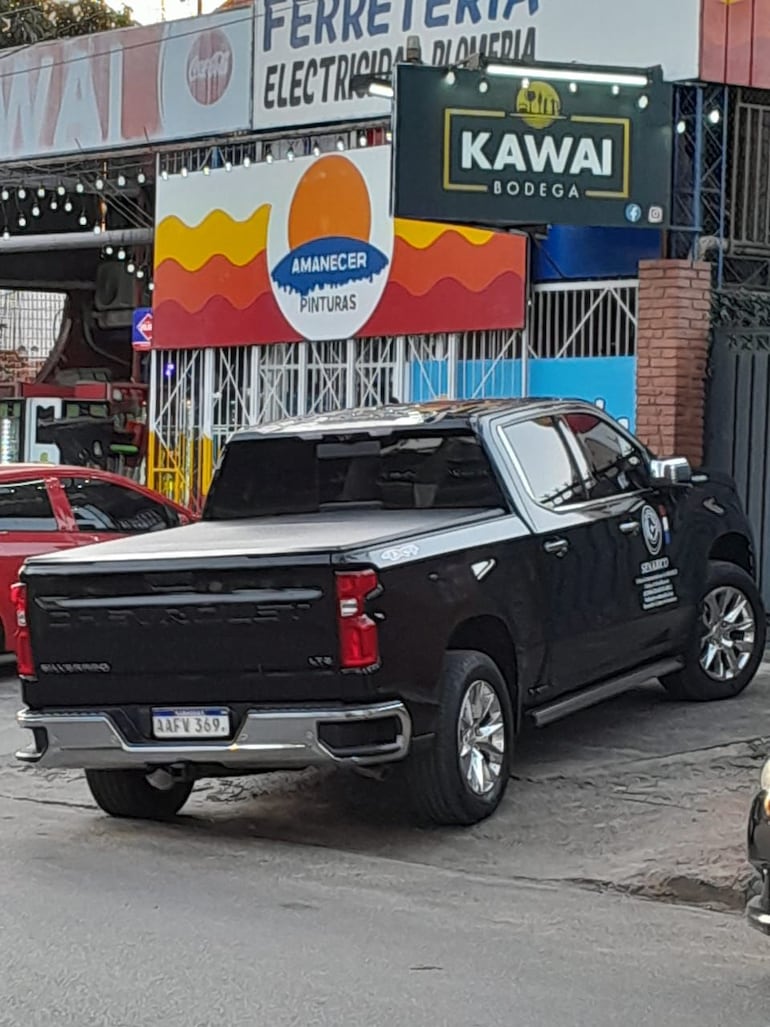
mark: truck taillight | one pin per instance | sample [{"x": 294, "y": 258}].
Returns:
[
  {"x": 359, "y": 646},
  {"x": 23, "y": 644}
]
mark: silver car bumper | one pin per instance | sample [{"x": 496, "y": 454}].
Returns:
[{"x": 271, "y": 739}]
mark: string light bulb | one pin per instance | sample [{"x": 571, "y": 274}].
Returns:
[
  {"x": 5, "y": 195},
  {"x": 68, "y": 206},
  {"x": 130, "y": 267},
  {"x": 121, "y": 180},
  {"x": 83, "y": 220},
  {"x": 141, "y": 178},
  {"x": 21, "y": 193},
  {"x": 41, "y": 192},
  {"x": 22, "y": 221},
  {"x": 121, "y": 254},
  {"x": 60, "y": 189},
  {"x": 80, "y": 188}
]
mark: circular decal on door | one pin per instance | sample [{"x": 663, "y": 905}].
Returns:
[{"x": 652, "y": 530}]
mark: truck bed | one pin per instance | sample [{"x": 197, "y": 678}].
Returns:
[{"x": 327, "y": 532}]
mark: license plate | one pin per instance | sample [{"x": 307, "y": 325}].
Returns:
[{"x": 210, "y": 722}]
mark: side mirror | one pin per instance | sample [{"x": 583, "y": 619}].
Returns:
[{"x": 676, "y": 471}]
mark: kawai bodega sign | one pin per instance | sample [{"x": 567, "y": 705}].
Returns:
[{"x": 508, "y": 146}]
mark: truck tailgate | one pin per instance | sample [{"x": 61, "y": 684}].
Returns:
[{"x": 114, "y": 635}]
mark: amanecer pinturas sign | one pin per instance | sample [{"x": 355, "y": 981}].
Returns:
[{"x": 477, "y": 148}]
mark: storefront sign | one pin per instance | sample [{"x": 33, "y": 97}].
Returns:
[
  {"x": 496, "y": 150},
  {"x": 306, "y": 53},
  {"x": 176, "y": 80},
  {"x": 307, "y": 250},
  {"x": 141, "y": 328}
]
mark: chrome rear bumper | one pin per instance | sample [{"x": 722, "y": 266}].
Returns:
[{"x": 271, "y": 739}]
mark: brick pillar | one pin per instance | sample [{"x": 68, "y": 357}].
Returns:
[{"x": 672, "y": 348}]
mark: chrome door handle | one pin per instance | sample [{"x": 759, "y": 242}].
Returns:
[
  {"x": 630, "y": 527},
  {"x": 556, "y": 546}
]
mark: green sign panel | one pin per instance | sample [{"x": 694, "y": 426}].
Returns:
[{"x": 521, "y": 148}]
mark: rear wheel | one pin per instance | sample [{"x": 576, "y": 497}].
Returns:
[
  {"x": 730, "y": 640},
  {"x": 129, "y": 793},
  {"x": 462, "y": 777}
]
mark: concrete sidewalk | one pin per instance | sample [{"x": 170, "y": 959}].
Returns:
[{"x": 640, "y": 795}]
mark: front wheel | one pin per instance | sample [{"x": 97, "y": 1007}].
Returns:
[
  {"x": 129, "y": 793},
  {"x": 462, "y": 777},
  {"x": 730, "y": 639}
]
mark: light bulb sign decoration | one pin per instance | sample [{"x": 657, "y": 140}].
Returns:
[{"x": 522, "y": 149}]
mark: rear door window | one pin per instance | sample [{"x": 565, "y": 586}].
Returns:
[
  {"x": 549, "y": 469},
  {"x": 26, "y": 506},
  {"x": 103, "y": 506}
]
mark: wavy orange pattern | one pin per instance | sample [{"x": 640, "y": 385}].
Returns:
[
  {"x": 417, "y": 271},
  {"x": 447, "y": 307},
  {"x": 241, "y": 286}
]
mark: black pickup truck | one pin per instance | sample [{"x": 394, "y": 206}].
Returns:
[{"x": 404, "y": 585}]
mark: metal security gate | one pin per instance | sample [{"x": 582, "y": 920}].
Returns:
[
  {"x": 582, "y": 343},
  {"x": 199, "y": 397},
  {"x": 737, "y": 438}
]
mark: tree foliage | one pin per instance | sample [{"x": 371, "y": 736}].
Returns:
[{"x": 23, "y": 22}]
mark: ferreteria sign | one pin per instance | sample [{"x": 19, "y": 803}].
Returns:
[
  {"x": 307, "y": 51},
  {"x": 533, "y": 145}
]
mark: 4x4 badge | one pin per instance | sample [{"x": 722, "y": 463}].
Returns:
[{"x": 652, "y": 531}]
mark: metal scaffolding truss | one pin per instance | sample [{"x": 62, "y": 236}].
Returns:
[
  {"x": 702, "y": 120},
  {"x": 722, "y": 182}
]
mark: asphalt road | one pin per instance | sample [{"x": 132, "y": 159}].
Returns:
[
  {"x": 111, "y": 924},
  {"x": 217, "y": 921}
]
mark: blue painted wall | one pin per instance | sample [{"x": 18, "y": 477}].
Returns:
[{"x": 610, "y": 382}]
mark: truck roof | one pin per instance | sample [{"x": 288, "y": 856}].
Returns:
[{"x": 444, "y": 413}]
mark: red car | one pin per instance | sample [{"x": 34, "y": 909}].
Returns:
[{"x": 44, "y": 507}]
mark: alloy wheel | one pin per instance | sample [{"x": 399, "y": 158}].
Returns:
[
  {"x": 481, "y": 737},
  {"x": 729, "y": 634}
]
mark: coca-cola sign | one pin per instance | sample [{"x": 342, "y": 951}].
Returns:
[
  {"x": 209, "y": 67},
  {"x": 123, "y": 88}
]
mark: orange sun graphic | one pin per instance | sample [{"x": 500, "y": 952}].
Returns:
[{"x": 331, "y": 199}]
